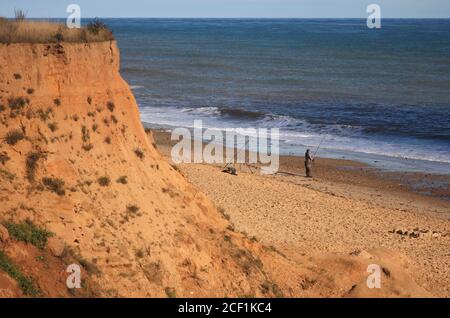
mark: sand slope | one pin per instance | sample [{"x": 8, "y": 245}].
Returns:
[{"x": 315, "y": 216}]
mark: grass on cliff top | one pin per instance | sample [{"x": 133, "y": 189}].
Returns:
[{"x": 32, "y": 31}]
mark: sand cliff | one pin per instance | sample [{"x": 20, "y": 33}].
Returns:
[{"x": 77, "y": 161}]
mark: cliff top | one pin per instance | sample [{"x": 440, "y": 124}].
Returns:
[{"x": 26, "y": 31}]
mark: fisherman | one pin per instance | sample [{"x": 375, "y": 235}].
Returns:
[{"x": 308, "y": 163}]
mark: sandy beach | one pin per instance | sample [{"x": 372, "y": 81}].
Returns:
[{"x": 347, "y": 207}]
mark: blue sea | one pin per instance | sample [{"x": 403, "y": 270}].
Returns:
[{"x": 378, "y": 96}]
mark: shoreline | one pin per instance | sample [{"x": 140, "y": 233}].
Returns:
[
  {"x": 386, "y": 161},
  {"x": 416, "y": 185}
]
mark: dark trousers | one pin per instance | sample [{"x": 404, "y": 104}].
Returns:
[{"x": 308, "y": 168}]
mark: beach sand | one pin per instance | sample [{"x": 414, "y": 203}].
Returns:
[{"x": 346, "y": 208}]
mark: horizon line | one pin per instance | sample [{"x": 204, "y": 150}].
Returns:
[{"x": 247, "y": 18}]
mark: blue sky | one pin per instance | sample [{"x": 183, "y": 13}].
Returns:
[{"x": 231, "y": 8}]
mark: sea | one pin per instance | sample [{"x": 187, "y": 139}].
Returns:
[{"x": 379, "y": 96}]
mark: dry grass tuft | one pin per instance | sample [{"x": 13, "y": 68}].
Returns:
[
  {"x": 55, "y": 185},
  {"x": 33, "y": 31},
  {"x": 139, "y": 153},
  {"x": 13, "y": 137},
  {"x": 5, "y": 158},
  {"x": 104, "y": 181},
  {"x": 31, "y": 165}
]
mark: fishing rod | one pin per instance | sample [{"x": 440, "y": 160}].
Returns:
[
  {"x": 323, "y": 139},
  {"x": 318, "y": 146}
]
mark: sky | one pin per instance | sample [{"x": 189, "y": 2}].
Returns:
[{"x": 230, "y": 8}]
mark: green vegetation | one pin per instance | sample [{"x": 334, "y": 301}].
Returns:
[
  {"x": 27, "y": 285},
  {"x": 55, "y": 185},
  {"x": 57, "y": 102},
  {"x": 13, "y": 137},
  {"x": 30, "y": 233}
]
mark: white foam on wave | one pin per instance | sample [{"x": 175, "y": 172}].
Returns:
[
  {"x": 202, "y": 110},
  {"x": 350, "y": 141},
  {"x": 280, "y": 121},
  {"x": 402, "y": 148}
]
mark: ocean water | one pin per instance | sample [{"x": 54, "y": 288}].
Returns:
[{"x": 379, "y": 96}]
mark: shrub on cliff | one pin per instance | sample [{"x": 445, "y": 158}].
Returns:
[
  {"x": 139, "y": 153},
  {"x": 30, "y": 233},
  {"x": 4, "y": 158},
  {"x": 26, "y": 31},
  {"x": 111, "y": 106},
  {"x": 13, "y": 137},
  {"x": 87, "y": 147},
  {"x": 96, "y": 26},
  {"x": 26, "y": 284},
  {"x": 31, "y": 164},
  {"x": 53, "y": 126},
  {"x": 104, "y": 181},
  {"x": 55, "y": 185},
  {"x": 19, "y": 15},
  {"x": 44, "y": 114},
  {"x": 132, "y": 208},
  {"x": 17, "y": 103}
]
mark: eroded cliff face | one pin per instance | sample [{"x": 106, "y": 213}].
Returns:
[{"x": 76, "y": 160}]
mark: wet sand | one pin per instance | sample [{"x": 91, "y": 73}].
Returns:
[{"x": 413, "y": 185}]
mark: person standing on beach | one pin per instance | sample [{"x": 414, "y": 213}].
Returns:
[{"x": 308, "y": 163}]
